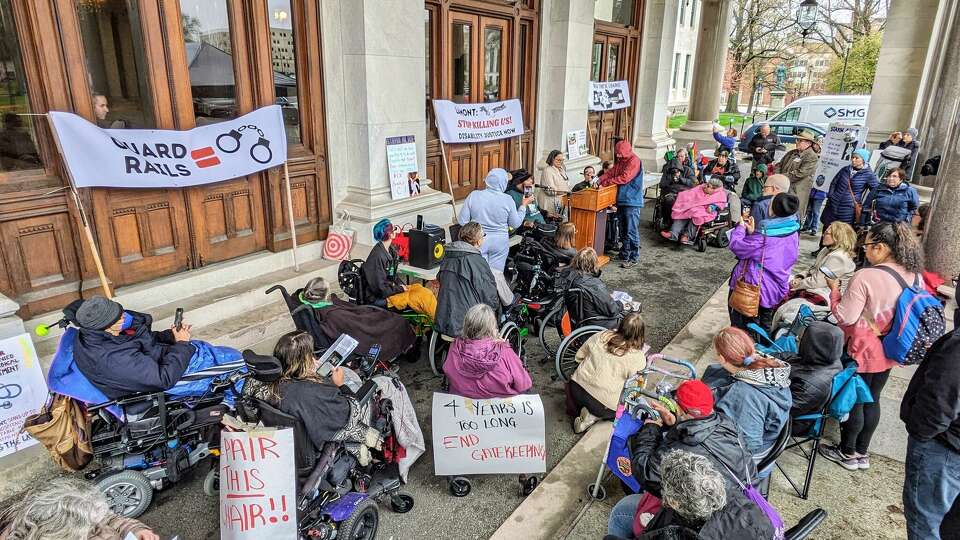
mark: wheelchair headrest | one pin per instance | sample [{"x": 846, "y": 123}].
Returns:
[{"x": 264, "y": 368}]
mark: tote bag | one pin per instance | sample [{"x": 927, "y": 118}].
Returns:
[{"x": 339, "y": 240}]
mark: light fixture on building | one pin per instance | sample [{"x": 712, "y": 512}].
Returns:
[
  {"x": 807, "y": 16},
  {"x": 280, "y": 15}
]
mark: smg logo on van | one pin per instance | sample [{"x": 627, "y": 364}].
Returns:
[{"x": 857, "y": 112}]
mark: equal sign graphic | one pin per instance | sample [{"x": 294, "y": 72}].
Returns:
[{"x": 204, "y": 157}]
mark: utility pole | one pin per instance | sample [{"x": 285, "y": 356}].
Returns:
[{"x": 843, "y": 74}]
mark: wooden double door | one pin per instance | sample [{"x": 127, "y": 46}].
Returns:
[{"x": 613, "y": 59}]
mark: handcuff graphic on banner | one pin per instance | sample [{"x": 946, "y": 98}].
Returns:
[{"x": 226, "y": 140}]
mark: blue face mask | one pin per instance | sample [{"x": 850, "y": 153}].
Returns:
[{"x": 127, "y": 321}]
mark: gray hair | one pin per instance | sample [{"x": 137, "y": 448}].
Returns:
[
  {"x": 63, "y": 509},
  {"x": 691, "y": 485},
  {"x": 316, "y": 290},
  {"x": 715, "y": 181},
  {"x": 480, "y": 322}
]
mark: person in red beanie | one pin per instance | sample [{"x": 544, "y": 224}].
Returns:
[{"x": 696, "y": 428}]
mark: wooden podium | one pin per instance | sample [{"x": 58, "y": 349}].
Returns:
[{"x": 588, "y": 213}]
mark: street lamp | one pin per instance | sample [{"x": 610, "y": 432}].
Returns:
[{"x": 807, "y": 16}]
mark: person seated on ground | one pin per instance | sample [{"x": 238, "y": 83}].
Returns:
[
  {"x": 840, "y": 241},
  {"x": 479, "y": 364},
  {"x": 693, "y": 208},
  {"x": 521, "y": 187},
  {"x": 605, "y": 361},
  {"x": 751, "y": 389},
  {"x": 589, "y": 179},
  {"x": 67, "y": 508},
  {"x": 326, "y": 405},
  {"x": 727, "y": 141},
  {"x": 563, "y": 243},
  {"x": 383, "y": 284},
  {"x": 497, "y": 213},
  {"x": 812, "y": 370},
  {"x": 595, "y": 301},
  {"x": 696, "y": 504},
  {"x": 120, "y": 354},
  {"x": 465, "y": 281},
  {"x": 774, "y": 185},
  {"x": 724, "y": 168},
  {"x": 893, "y": 200},
  {"x": 697, "y": 428}
]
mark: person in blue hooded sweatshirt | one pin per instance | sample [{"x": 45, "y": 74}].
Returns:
[
  {"x": 496, "y": 212},
  {"x": 893, "y": 201}
]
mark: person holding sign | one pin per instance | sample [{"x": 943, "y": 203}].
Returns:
[
  {"x": 606, "y": 361},
  {"x": 380, "y": 273},
  {"x": 479, "y": 364},
  {"x": 496, "y": 212}
]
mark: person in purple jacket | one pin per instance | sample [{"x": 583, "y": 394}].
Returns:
[
  {"x": 777, "y": 245},
  {"x": 479, "y": 364}
]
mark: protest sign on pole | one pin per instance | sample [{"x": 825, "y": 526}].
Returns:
[
  {"x": 576, "y": 144},
  {"x": 488, "y": 436},
  {"x": 258, "y": 485},
  {"x": 835, "y": 151},
  {"x": 464, "y": 123},
  {"x": 23, "y": 391},
  {"x": 608, "y": 96},
  {"x": 401, "y": 162},
  {"x": 155, "y": 158}
]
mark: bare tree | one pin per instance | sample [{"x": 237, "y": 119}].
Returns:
[
  {"x": 841, "y": 22},
  {"x": 761, "y": 35}
]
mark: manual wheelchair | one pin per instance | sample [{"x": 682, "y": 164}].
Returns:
[{"x": 581, "y": 329}]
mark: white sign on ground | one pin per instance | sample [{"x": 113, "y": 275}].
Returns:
[
  {"x": 835, "y": 151},
  {"x": 478, "y": 122},
  {"x": 258, "y": 485},
  {"x": 23, "y": 391},
  {"x": 608, "y": 96},
  {"x": 488, "y": 436},
  {"x": 156, "y": 158}
]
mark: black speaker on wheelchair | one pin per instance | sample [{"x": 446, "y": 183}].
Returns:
[{"x": 426, "y": 246}]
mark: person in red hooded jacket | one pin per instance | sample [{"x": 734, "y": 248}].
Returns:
[{"x": 627, "y": 175}]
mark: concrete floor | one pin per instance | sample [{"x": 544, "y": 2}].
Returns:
[{"x": 672, "y": 283}]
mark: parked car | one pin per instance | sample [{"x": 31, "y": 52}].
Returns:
[
  {"x": 786, "y": 131},
  {"x": 822, "y": 110}
]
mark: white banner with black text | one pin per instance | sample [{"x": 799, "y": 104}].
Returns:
[{"x": 464, "y": 123}]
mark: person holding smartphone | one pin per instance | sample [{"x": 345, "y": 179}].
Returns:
[
  {"x": 521, "y": 189},
  {"x": 840, "y": 241}
]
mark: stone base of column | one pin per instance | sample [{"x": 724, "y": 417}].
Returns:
[
  {"x": 364, "y": 213},
  {"x": 10, "y": 324},
  {"x": 694, "y": 131},
  {"x": 650, "y": 149}
]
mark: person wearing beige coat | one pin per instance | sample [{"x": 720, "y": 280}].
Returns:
[{"x": 554, "y": 183}]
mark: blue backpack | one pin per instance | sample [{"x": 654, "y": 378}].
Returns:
[{"x": 917, "y": 322}]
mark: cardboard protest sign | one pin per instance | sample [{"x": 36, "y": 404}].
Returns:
[
  {"x": 402, "y": 166},
  {"x": 576, "y": 144},
  {"x": 488, "y": 436},
  {"x": 835, "y": 151},
  {"x": 478, "y": 122},
  {"x": 608, "y": 96},
  {"x": 258, "y": 485},
  {"x": 156, "y": 158},
  {"x": 23, "y": 391}
]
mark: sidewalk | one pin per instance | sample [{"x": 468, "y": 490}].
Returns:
[{"x": 863, "y": 504}]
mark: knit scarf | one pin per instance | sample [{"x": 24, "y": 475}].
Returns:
[{"x": 776, "y": 376}]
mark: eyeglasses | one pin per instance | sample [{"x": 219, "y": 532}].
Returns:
[
  {"x": 866, "y": 244},
  {"x": 768, "y": 187}
]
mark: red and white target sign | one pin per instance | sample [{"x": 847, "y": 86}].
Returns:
[{"x": 338, "y": 244}]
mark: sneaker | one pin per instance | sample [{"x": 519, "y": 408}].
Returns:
[
  {"x": 628, "y": 264},
  {"x": 685, "y": 240},
  {"x": 584, "y": 421},
  {"x": 668, "y": 235},
  {"x": 833, "y": 453},
  {"x": 863, "y": 462}
]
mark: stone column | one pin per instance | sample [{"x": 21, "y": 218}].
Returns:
[
  {"x": 650, "y": 137},
  {"x": 707, "y": 80},
  {"x": 906, "y": 37},
  {"x": 566, "y": 45},
  {"x": 374, "y": 63}
]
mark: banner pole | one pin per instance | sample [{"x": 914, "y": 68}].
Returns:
[
  {"x": 87, "y": 233},
  {"x": 293, "y": 227},
  {"x": 520, "y": 150},
  {"x": 446, "y": 167},
  {"x": 599, "y": 131}
]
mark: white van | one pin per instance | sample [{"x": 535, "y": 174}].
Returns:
[{"x": 822, "y": 110}]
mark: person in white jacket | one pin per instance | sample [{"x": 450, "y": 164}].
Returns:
[
  {"x": 554, "y": 183},
  {"x": 840, "y": 241}
]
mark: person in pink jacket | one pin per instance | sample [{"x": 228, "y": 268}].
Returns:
[
  {"x": 479, "y": 364},
  {"x": 693, "y": 208}
]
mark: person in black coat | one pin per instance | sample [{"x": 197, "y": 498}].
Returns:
[
  {"x": 931, "y": 411},
  {"x": 763, "y": 145},
  {"x": 465, "y": 281},
  {"x": 121, "y": 355},
  {"x": 910, "y": 142},
  {"x": 383, "y": 284},
  {"x": 595, "y": 302},
  {"x": 812, "y": 371},
  {"x": 725, "y": 168}
]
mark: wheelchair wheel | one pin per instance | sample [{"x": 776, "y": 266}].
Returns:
[
  {"x": 722, "y": 239},
  {"x": 459, "y": 486},
  {"x": 566, "y": 358},
  {"x": 549, "y": 326},
  {"x": 127, "y": 492},
  {"x": 437, "y": 352},
  {"x": 657, "y": 220},
  {"x": 701, "y": 244},
  {"x": 601, "y": 492},
  {"x": 362, "y": 523},
  {"x": 211, "y": 483},
  {"x": 528, "y": 484},
  {"x": 510, "y": 333},
  {"x": 401, "y": 503}
]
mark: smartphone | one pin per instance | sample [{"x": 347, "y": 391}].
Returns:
[
  {"x": 374, "y": 351},
  {"x": 827, "y": 272},
  {"x": 527, "y": 192},
  {"x": 178, "y": 319},
  {"x": 325, "y": 369}
]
